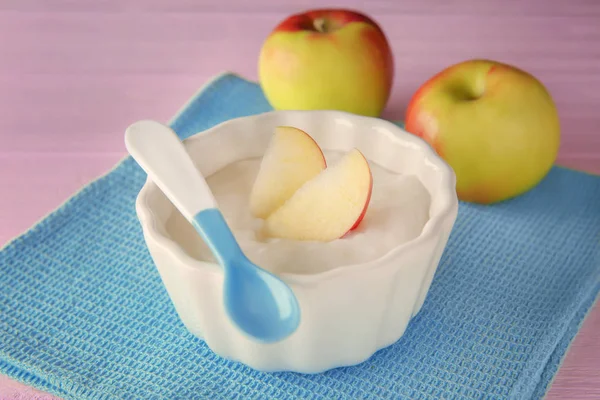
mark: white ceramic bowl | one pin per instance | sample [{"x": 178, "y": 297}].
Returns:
[{"x": 348, "y": 313}]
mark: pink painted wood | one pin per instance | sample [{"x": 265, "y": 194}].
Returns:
[{"x": 74, "y": 74}]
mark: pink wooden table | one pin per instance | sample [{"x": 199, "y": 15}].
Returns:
[{"x": 74, "y": 74}]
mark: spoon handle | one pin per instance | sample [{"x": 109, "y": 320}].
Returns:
[{"x": 160, "y": 153}]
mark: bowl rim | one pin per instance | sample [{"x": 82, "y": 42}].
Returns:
[{"x": 431, "y": 229}]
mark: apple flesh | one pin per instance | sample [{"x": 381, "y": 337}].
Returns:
[
  {"x": 494, "y": 124},
  {"x": 328, "y": 206},
  {"x": 332, "y": 59},
  {"x": 291, "y": 159}
]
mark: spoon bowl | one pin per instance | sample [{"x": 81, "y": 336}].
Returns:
[
  {"x": 260, "y": 303},
  {"x": 266, "y": 300}
]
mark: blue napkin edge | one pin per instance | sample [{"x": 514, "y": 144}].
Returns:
[{"x": 548, "y": 374}]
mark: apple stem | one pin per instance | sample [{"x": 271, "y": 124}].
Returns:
[{"x": 320, "y": 25}]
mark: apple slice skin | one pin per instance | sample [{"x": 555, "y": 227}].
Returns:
[
  {"x": 327, "y": 207},
  {"x": 292, "y": 158},
  {"x": 364, "y": 211}
]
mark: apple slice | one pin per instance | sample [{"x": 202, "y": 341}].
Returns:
[
  {"x": 292, "y": 159},
  {"x": 328, "y": 206}
]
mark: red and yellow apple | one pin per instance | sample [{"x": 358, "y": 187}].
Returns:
[
  {"x": 333, "y": 59},
  {"x": 328, "y": 206},
  {"x": 291, "y": 159},
  {"x": 494, "y": 124}
]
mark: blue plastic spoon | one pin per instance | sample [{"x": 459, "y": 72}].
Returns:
[{"x": 258, "y": 302}]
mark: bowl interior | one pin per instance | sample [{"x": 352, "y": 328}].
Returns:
[{"x": 381, "y": 142}]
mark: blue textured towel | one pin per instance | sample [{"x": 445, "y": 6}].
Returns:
[{"x": 84, "y": 314}]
